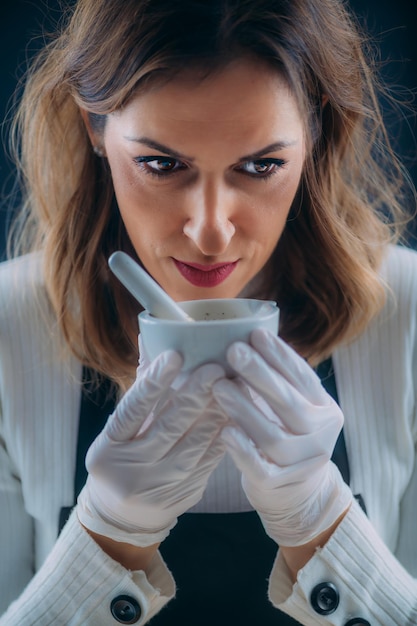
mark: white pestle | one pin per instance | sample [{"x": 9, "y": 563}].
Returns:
[{"x": 145, "y": 289}]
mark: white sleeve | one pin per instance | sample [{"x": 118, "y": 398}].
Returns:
[
  {"x": 407, "y": 541},
  {"x": 354, "y": 576},
  {"x": 16, "y": 534},
  {"x": 79, "y": 585}
]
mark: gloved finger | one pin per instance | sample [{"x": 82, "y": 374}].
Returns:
[
  {"x": 199, "y": 443},
  {"x": 234, "y": 402},
  {"x": 297, "y": 412},
  {"x": 139, "y": 400},
  {"x": 199, "y": 466},
  {"x": 144, "y": 360},
  {"x": 270, "y": 436},
  {"x": 186, "y": 384},
  {"x": 244, "y": 453},
  {"x": 185, "y": 487},
  {"x": 289, "y": 364},
  {"x": 261, "y": 471},
  {"x": 183, "y": 411}
]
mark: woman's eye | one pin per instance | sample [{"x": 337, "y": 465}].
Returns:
[
  {"x": 262, "y": 168},
  {"x": 159, "y": 166}
]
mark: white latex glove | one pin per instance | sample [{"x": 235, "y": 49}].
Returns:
[
  {"x": 144, "y": 360},
  {"x": 153, "y": 458},
  {"x": 283, "y": 440}
]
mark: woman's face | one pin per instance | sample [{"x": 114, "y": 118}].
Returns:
[{"x": 205, "y": 172}]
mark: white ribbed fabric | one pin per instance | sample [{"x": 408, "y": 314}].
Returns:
[
  {"x": 371, "y": 582},
  {"x": 376, "y": 377},
  {"x": 67, "y": 595}
]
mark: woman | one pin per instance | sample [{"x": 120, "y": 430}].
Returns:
[{"x": 233, "y": 148}]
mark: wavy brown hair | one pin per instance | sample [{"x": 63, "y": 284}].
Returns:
[{"x": 324, "y": 271}]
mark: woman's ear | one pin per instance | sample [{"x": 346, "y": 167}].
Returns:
[{"x": 95, "y": 139}]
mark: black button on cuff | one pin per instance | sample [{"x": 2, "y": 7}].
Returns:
[
  {"x": 125, "y": 610},
  {"x": 358, "y": 621},
  {"x": 324, "y": 598}
]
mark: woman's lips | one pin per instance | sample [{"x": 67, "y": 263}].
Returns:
[{"x": 205, "y": 275}]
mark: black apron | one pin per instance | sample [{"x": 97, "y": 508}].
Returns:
[{"x": 221, "y": 562}]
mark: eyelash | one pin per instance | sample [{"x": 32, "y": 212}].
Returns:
[{"x": 145, "y": 160}]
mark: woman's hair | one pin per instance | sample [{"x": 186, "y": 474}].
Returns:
[{"x": 324, "y": 271}]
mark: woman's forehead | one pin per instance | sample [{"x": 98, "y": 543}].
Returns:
[{"x": 247, "y": 103}]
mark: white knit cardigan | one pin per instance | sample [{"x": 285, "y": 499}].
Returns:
[{"x": 372, "y": 561}]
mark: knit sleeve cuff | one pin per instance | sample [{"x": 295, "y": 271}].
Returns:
[
  {"x": 366, "y": 580},
  {"x": 80, "y": 585}
]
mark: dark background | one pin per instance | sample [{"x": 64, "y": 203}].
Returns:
[{"x": 392, "y": 25}]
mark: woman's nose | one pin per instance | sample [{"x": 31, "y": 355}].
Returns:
[{"x": 208, "y": 222}]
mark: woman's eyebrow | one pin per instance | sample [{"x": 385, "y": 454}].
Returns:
[
  {"x": 273, "y": 147},
  {"x": 155, "y": 145}
]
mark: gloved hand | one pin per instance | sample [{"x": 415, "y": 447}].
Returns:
[
  {"x": 286, "y": 429},
  {"x": 153, "y": 458}
]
